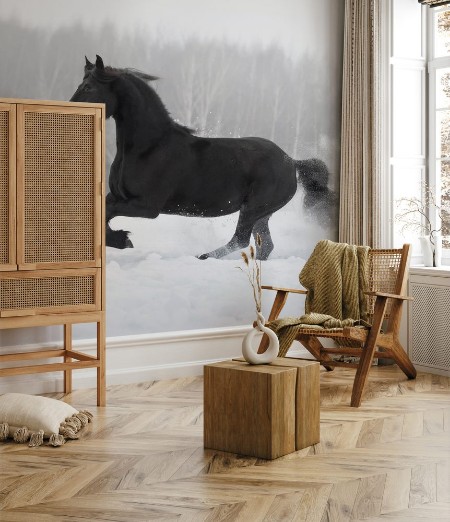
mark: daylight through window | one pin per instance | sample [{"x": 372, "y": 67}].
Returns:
[{"x": 439, "y": 95}]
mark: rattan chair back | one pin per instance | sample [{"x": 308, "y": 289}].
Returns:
[{"x": 385, "y": 275}]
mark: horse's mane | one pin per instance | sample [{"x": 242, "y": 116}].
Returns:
[
  {"x": 141, "y": 81},
  {"x": 115, "y": 71}
]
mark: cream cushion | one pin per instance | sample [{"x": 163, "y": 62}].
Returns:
[
  {"x": 30, "y": 418},
  {"x": 34, "y": 412}
]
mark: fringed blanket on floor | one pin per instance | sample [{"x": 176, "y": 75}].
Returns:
[{"x": 336, "y": 278}]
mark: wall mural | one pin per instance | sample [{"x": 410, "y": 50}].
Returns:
[{"x": 222, "y": 118}]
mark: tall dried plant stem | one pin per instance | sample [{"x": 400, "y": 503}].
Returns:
[
  {"x": 415, "y": 215},
  {"x": 253, "y": 272}
]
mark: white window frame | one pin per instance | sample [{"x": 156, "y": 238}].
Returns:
[
  {"x": 427, "y": 160},
  {"x": 394, "y": 61},
  {"x": 433, "y": 64}
]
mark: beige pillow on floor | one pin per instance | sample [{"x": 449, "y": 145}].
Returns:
[{"x": 33, "y": 418}]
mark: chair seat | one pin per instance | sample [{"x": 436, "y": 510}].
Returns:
[
  {"x": 332, "y": 332},
  {"x": 352, "y": 337}
]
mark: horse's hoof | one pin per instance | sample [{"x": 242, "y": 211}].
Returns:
[
  {"x": 203, "y": 256},
  {"x": 118, "y": 239}
]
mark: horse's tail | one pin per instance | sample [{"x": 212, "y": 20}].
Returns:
[{"x": 313, "y": 176}]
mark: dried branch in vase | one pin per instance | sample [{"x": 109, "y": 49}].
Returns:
[
  {"x": 413, "y": 214},
  {"x": 253, "y": 271}
]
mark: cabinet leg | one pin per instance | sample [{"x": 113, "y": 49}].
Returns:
[
  {"x": 101, "y": 382},
  {"x": 67, "y": 346}
]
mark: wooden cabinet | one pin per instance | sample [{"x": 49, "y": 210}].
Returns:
[{"x": 52, "y": 227}]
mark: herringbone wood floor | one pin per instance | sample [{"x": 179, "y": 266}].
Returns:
[{"x": 143, "y": 459}]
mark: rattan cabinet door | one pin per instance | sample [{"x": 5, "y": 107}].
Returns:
[
  {"x": 37, "y": 292},
  {"x": 58, "y": 187},
  {"x": 7, "y": 187}
]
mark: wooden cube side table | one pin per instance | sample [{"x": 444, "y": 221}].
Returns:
[
  {"x": 307, "y": 403},
  {"x": 252, "y": 410}
]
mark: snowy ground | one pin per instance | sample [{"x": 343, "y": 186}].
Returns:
[
  {"x": 149, "y": 293},
  {"x": 161, "y": 286}
]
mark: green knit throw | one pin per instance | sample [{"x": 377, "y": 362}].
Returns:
[{"x": 336, "y": 277}]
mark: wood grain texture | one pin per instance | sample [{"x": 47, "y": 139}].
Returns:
[
  {"x": 56, "y": 262},
  {"x": 58, "y": 103},
  {"x": 143, "y": 459},
  {"x": 250, "y": 409},
  {"x": 307, "y": 400}
]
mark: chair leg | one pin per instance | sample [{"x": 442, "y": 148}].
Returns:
[
  {"x": 67, "y": 346},
  {"x": 314, "y": 347},
  {"x": 101, "y": 382},
  {"x": 365, "y": 361},
  {"x": 264, "y": 344},
  {"x": 277, "y": 306},
  {"x": 403, "y": 361}
]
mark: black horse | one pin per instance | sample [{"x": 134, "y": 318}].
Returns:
[{"x": 162, "y": 168}]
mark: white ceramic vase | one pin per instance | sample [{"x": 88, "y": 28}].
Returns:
[
  {"x": 427, "y": 251},
  {"x": 437, "y": 250},
  {"x": 249, "y": 350}
]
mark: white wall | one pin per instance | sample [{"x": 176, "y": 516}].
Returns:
[
  {"x": 161, "y": 286},
  {"x": 140, "y": 358}
]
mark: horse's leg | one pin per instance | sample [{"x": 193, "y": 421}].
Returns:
[
  {"x": 117, "y": 238},
  {"x": 262, "y": 200},
  {"x": 251, "y": 218},
  {"x": 114, "y": 238},
  {"x": 128, "y": 208},
  {"x": 256, "y": 211},
  {"x": 240, "y": 239},
  {"x": 261, "y": 229}
]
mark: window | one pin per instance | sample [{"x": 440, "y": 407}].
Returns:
[
  {"x": 439, "y": 115},
  {"x": 419, "y": 122},
  {"x": 407, "y": 119}
]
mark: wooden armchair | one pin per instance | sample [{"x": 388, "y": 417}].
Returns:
[{"x": 388, "y": 273}]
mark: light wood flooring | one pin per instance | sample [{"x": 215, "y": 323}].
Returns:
[{"x": 142, "y": 459}]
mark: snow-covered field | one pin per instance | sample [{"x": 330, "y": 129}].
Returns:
[{"x": 161, "y": 286}]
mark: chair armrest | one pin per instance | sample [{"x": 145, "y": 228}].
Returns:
[
  {"x": 280, "y": 298},
  {"x": 390, "y": 296},
  {"x": 291, "y": 290}
]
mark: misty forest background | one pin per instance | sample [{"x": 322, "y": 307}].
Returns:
[{"x": 219, "y": 88}]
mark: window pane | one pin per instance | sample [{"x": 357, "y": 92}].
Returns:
[
  {"x": 443, "y": 134},
  {"x": 445, "y": 202},
  {"x": 442, "y": 34},
  {"x": 407, "y": 29},
  {"x": 407, "y": 185},
  {"x": 443, "y": 88},
  {"x": 407, "y": 112}
]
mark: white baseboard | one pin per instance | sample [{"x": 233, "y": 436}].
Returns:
[
  {"x": 140, "y": 358},
  {"x": 432, "y": 369}
]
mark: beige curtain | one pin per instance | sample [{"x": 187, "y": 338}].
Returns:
[{"x": 361, "y": 144}]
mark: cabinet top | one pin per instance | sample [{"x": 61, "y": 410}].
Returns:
[
  {"x": 420, "y": 270},
  {"x": 60, "y": 103}
]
